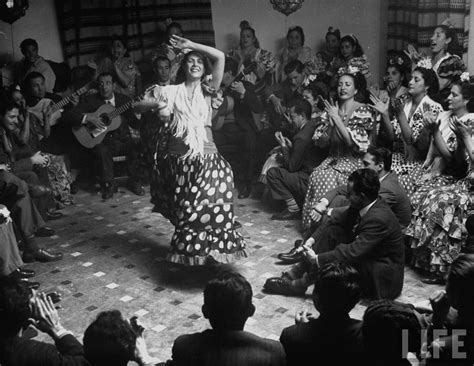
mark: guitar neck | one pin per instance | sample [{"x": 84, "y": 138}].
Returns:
[
  {"x": 123, "y": 108},
  {"x": 62, "y": 103}
]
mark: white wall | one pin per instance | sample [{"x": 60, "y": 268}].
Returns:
[
  {"x": 367, "y": 19},
  {"x": 39, "y": 23}
]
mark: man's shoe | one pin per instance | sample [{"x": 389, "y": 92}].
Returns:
[
  {"x": 44, "y": 232},
  {"x": 287, "y": 215},
  {"x": 293, "y": 257},
  {"x": 42, "y": 255},
  {"x": 280, "y": 286},
  {"x": 136, "y": 188},
  {"x": 23, "y": 273},
  {"x": 53, "y": 215},
  {"x": 107, "y": 190},
  {"x": 244, "y": 192},
  {"x": 38, "y": 190},
  {"x": 433, "y": 281},
  {"x": 31, "y": 285},
  {"x": 237, "y": 225}
]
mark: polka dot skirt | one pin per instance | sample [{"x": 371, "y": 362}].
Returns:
[
  {"x": 409, "y": 172},
  {"x": 196, "y": 195},
  {"x": 330, "y": 174}
]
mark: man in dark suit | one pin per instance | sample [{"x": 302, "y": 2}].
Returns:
[
  {"x": 118, "y": 142},
  {"x": 366, "y": 235},
  {"x": 298, "y": 158},
  {"x": 227, "y": 305},
  {"x": 332, "y": 338},
  {"x": 239, "y": 105},
  {"x": 17, "y": 306}
]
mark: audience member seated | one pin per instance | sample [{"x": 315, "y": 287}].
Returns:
[
  {"x": 30, "y": 169},
  {"x": 32, "y": 135},
  {"x": 116, "y": 142},
  {"x": 19, "y": 307},
  {"x": 111, "y": 340},
  {"x": 294, "y": 50},
  {"x": 334, "y": 337},
  {"x": 335, "y": 201},
  {"x": 249, "y": 51},
  {"x": 348, "y": 129},
  {"x": 411, "y": 136},
  {"x": 330, "y": 53},
  {"x": 10, "y": 259},
  {"x": 118, "y": 63},
  {"x": 227, "y": 305},
  {"x": 391, "y": 334},
  {"x": 367, "y": 235},
  {"x": 455, "y": 345},
  {"x": 165, "y": 50},
  {"x": 296, "y": 159},
  {"x": 240, "y": 102},
  {"x": 313, "y": 93},
  {"x": 161, "y": 69},
  {"x": 32, "y": 62},
  {"x": 450, "y": 70},
  {"x": 437, "y": 232}
]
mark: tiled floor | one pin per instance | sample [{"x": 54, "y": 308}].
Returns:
[{"x": 114, "y": 258}]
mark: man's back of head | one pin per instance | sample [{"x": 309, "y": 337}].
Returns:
[
  {"x": 14, "y": 307},
  {"x": 109, "y": 340},
  {"x": 337, "y": 289},
  {"x": 228, "y": 302}
]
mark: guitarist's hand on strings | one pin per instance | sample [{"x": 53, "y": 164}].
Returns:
[
  {"x": 95, "y": 120},
  {"x": 39, "y": 159},
  {"x": 74, "y": 99}
]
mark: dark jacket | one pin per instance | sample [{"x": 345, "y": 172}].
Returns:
[
  {"x": 323, "y": 341},
  {"x": 376, "y": 249},
  {"x": 91, "y": 103},
  {"x": 67, "y": 351},
  {"x": 390, "y": 190},
  {"x": 230, "y": 348},
  {"x": 304, "y": 155}
]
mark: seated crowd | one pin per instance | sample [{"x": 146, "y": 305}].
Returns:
[{"x": 380, "y": 177}]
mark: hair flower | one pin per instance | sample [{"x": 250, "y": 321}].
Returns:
[
  {"x": 464, "y": 76},
  {"x": 425, "y": 63}
]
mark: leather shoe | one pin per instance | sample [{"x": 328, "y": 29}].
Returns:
[
  {"x": 237, "y": 224},
  {"x": 280, "y": 286},
  {"x": 292, "y": 257},
  {"x": 433, "y": 281},
  {"x": 136, "y": 188},
  {"x": 30, "y": 284},
  {"x": 107, "y": 190},
  {"x": 23, "y": 273},
  {"x": 38, "y": 190},
  {"x": 244, "y": 192},
  {"x": 44, "y": 232},
  {"x": 287, "y": 215},
  {"x": 53, "y": 215},
  {"x": 42, "y": 255}
]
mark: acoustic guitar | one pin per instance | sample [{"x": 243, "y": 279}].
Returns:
[
  {"x": 56, "y": 108},
  {"x": 89, "y": 135}
]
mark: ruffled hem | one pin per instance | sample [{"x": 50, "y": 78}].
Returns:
[{"x": 213, "y": 255}]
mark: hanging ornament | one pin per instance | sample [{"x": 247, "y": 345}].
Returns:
[
  {"x": 12, "y": 10},
  {"x": 286, "y": 6}
]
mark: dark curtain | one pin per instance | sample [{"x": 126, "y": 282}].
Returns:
[
  {"x": 413, "y": 21},
  {"x": 86, "y": 26}
]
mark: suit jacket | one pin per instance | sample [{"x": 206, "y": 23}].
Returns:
[
  {"x": 229, "y": 348},
  {"x": 91, "y": 103},
  {"x": 67, "y": 351},
  {"x": 390, "y": 190},
  {"x": 304, "y": 155},
  {"x": 376, "y": 249},
  {"x": 323, "y": 341}
]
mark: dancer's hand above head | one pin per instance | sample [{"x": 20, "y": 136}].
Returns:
[{"x": 180, "y": 42}]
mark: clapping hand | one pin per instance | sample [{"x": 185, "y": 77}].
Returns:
[
  {"x": 45, "y": 316},
  {"x": 460, "y": 128},
  {"x": 303, "y": 316},
  {"x": 379, "y": 105},
  {"x": 413, "y": 53},
  {"x": 316, "y": 212},
  {"x": 430, "y": 120},
  {"x": 331, "y": 108}
]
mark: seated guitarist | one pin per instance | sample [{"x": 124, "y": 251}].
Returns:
[{"x": 117, "y": 142}]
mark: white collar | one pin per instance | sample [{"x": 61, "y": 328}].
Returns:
[
  {"x": 111, "y": 100},
  {"x": 364, "y": 210}
]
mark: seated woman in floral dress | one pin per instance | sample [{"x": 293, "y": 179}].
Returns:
[
  {"x": 350, "y": 125},
  {"x": 412, "y": 136},
  {"x": 437, "y": 230}
]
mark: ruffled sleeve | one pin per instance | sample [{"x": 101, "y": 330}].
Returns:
[{"x": 360, "y": 126}]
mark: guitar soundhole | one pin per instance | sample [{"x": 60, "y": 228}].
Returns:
[{"x": 105, "y": 119}]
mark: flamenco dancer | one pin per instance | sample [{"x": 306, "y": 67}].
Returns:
[{"x": 192, "y": 183}]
